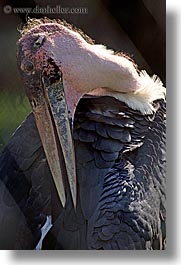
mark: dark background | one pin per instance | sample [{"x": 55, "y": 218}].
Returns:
[{"x": 136, "y": 27}]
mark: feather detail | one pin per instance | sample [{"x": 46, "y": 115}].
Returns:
[
  {"x": 151, "y": 89},
  {"x": 102, "y": 49}
]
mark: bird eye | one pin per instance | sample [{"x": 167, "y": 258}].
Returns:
[
  {"x": 29, "y": 67},
  {"x": 38, "y": 42}
]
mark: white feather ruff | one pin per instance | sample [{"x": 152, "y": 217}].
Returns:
[{"x": 151, "y": 89}]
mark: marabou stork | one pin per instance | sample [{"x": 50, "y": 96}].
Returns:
[{"x": 92, "y": 154}]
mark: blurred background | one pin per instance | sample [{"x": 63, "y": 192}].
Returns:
[{"x": 135, "y": 27}]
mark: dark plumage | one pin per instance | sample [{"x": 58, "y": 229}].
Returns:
[
  {"x": 24, "y": 201},
  {"x": 121, "y": 197}
]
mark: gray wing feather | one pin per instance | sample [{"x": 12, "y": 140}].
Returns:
[{"x": 24, "y": 194}]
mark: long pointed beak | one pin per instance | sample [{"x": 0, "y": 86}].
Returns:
[{"x": 55, "y": 131}]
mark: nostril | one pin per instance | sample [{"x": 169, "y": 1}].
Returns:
[{"x": 33, "y": 103}]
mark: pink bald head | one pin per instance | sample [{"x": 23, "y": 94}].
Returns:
[{"x": 85, "y": 67}]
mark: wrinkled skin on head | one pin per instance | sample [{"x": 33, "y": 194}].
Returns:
[{"x": 34, "y": 62}]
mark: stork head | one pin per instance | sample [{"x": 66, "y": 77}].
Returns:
[{"x": 58, "y": 66}]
